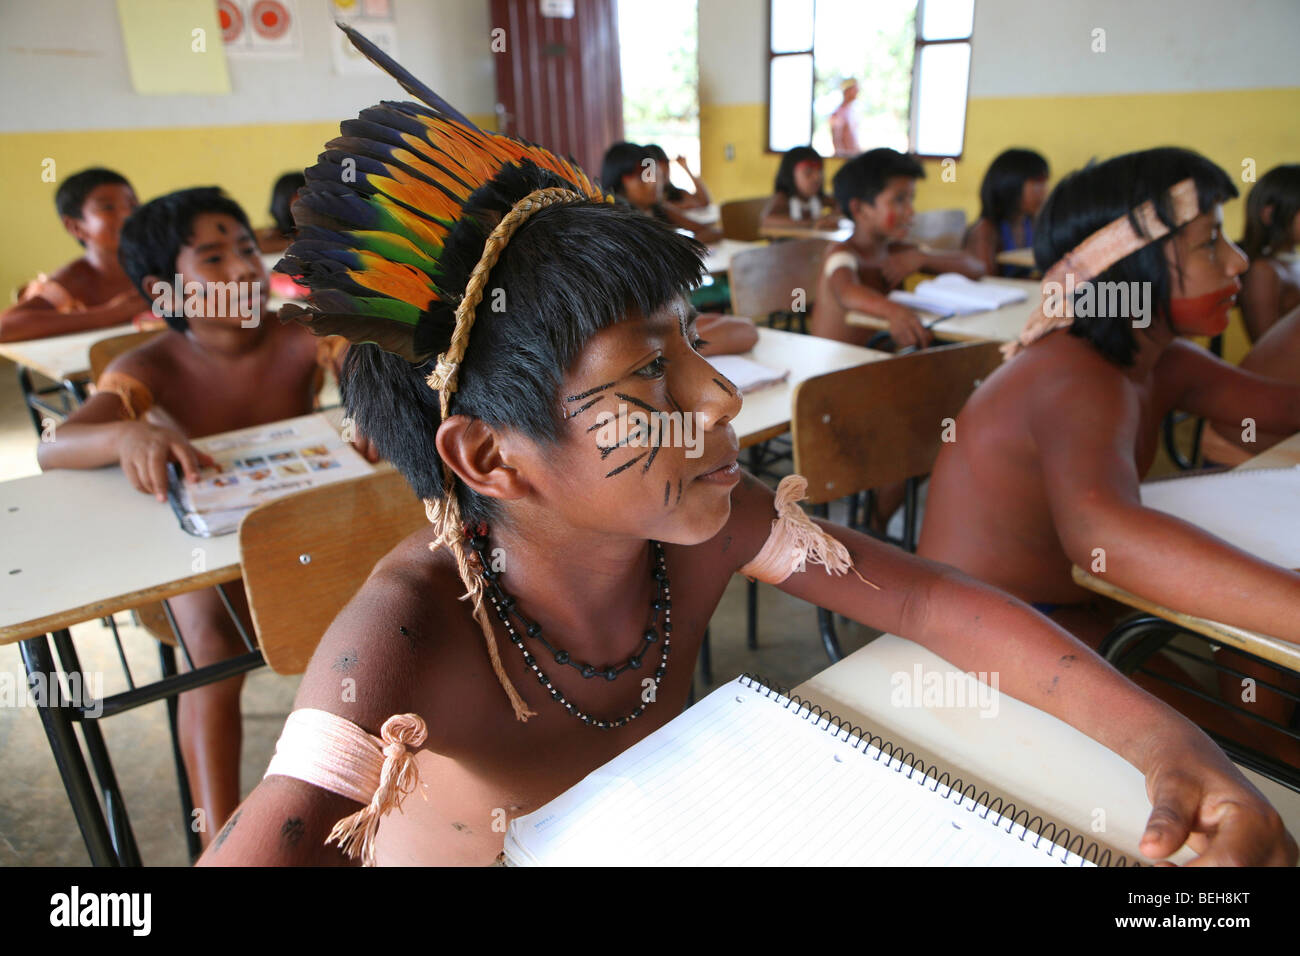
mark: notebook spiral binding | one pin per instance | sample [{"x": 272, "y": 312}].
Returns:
[{"x": 905, "y": 762}]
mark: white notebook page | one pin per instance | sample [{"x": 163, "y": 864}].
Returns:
[{"x": 740, "y": 780}]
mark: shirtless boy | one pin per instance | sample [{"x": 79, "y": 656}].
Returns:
[
  {"x": 876, "y": 191},
  {"x": 1051, "y": 449},
  {"x": 208, "y": 374},
  {"x": 91, "y": 292}
]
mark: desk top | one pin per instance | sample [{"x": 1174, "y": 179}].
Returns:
[
  {"x": 1016, "y": 257},
  {"x": 719, "y": 256},
  {"x": 80, "y": 544},
  {"x": 62, "y": 356},
  {"x": 766, "y": 411},
  {"x": 998, "y": 325},
  {"x": 1019, "y": 752},
  {"x": 808, "y": 232}
]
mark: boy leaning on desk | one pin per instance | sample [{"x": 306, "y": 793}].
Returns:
[{"x": 222, "y": 365}]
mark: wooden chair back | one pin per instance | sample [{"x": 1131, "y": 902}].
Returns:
[
  {"x": 740, "y": 218},
  {"x": 938, "y": 228},
  {"x": 305, "y": 555},
  {"x": 764, "y": 280},
  {"x": 104, "y": 351},
  {"x": 883, "y": 422}
]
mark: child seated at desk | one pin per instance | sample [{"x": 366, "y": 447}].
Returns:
[
  {"x": 799, "y": 193},
  {"x": 91, "y": 292},
  {"x": 876, "y": 190},
  {"x": 566, "y": 544},
  {"x": 277, "y": 236},
  {"x": 1271, "y": 287},
  {"x": 630, "y": 172},
  {"x": 210, "y": 373},
  {"x": 1010, "y": 196},
  {"x": 1050, "y": 449}
]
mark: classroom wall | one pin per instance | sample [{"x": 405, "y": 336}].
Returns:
[
  {"x": 1221, "y": 79},
  {"x": 68, "y": 96}
]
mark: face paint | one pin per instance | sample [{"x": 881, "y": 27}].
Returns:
[
  {"x": 723, "y": 385},
  {"x": 1203, "y": 314}
]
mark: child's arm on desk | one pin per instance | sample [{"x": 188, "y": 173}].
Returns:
[
  {"x": 96, "y": 435},
  {"x": 904, "y": 325},
  {"x": 725, "y": 334},
  {"x": 1230, "y": 396},
  {"x": 37, "y": 319},
  {"x": 1197, "y": 795},
  {"x": 1085, "y": 430}
]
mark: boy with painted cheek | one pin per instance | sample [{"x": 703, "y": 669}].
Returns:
[{"x": 876, "y": 191}]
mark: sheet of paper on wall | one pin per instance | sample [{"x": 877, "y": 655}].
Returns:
[
  {"x": 260, "y": 28},
  {"x": 173, "y": 46}
]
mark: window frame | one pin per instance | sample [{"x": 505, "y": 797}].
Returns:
[{"x": 913, "y": 105}]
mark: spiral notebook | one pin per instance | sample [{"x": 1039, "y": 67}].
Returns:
[{"x": 751, "y": 776}]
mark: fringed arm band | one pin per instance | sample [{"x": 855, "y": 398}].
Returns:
[
  {"x": 795, "y": 540},
  {"x": 335, "y": 754}
]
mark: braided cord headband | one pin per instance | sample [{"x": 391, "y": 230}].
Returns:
[
  {"x": 444, "y": 513},
  {"x": 1101, "y": 250}
]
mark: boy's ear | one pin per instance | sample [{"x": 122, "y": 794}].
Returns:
[
  {"x": 73, "y": 225},
  {"x": 474, "y": 451},
  {"x": 1266, "y": 215},
  {"x": 855, "y": 207}
]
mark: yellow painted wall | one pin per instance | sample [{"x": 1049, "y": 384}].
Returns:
[
  {"x": 243, "y": 160},
  {"x": 1226, "y": 126}
]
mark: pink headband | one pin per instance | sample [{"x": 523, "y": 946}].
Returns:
[{"x": 1101, "y": 250}]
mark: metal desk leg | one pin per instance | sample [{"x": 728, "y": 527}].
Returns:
[
  {"x": 167, "y": 657},
  {"x": 118, "y": 822},
  {"x": 57, "y": 721}
]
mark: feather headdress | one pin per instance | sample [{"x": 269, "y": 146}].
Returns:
[{"x": 383, "y": 229}]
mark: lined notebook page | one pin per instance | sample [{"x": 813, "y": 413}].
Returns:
[
  {"x": 739, "y": 780},
  {"x": 1257, "y": 510}
]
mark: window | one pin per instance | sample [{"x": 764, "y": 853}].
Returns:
[{"x": 910, "y": 60}]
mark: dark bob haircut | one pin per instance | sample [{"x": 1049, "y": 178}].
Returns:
[
  {"x": 569, "y": 271},
  {"x": 622, "y": 159},
  {"x": 785, "y": 172},
  {"x": 282, "y": 193},
  {"x": 154, "y": 235},
  {"x": 1086, "y": 200},
  {"x": 1279, "y": 188},
  {"x": 1005, "y": 181},
  {"x": 865, "y": 176},
  {"x": 70, "y": 197}
]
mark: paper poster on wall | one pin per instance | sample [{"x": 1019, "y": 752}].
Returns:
[
  {"x": 260, "y": 28},
  {"x": 374, "y": 18},
  {"x": 173, "y": 46}
]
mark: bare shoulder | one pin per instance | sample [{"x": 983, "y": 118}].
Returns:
[
  {"x": 1066, "y": 384},
  {"x": 155, "y": 363},
  {"x": 394, "y": 643}
]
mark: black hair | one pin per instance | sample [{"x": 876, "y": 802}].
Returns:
[
  {"x": 155, "y": 233},
  {"x": 70, "y": 197},
  {"x": 569, "y": 271},
  {"x": 1090, "y": 198},
  {"x": 282, "y": 194},
  {"x": 1279, "y": 188},
  {"x": 656, "y": 152},
  {"x": 865, "y": 176},
  {"x": 622, "y": 159},
  {"x": 784, "y": 183},
  {"x": 1004, "y": 183}
]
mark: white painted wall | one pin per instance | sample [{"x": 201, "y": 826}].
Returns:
[
  {"x": 1043, "y": 47},
  {"x": 63, "y": 67}
]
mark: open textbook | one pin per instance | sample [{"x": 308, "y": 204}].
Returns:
[
  {"x": 255, "y": 465},
  {"x": 954, "y": 294},
  {"x": 746, "y": 374},
  {"x": 752, "y": 776}
]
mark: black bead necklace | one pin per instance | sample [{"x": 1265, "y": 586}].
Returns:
[{"x": 506, "y": 607}]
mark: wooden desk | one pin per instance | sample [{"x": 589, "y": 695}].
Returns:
[
  {"x": 766, "y": 411},
  {"x": 1024, "y": 258},
  {"x": 62, "y": 357},
  {"x": 718, "y": 260},
  {"x": 839, "y": 234},
  {"x": 1019, "y": 753},
  {"x": 998, "y": 325}
]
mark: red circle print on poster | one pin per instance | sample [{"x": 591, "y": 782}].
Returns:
[
  {"x": 231, "y": 19},
  {"x": 270, "y": 19}
]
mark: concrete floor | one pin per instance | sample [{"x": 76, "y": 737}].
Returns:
[{"x": 37, "y": 827}]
